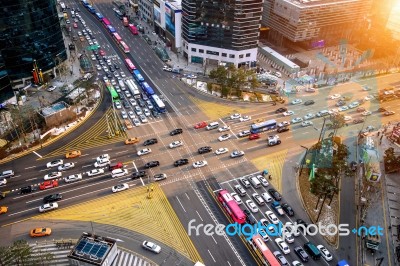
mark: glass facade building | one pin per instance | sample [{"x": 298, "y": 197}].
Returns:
[
  {"x": 30, "y": 30},
  {"x": 6, "y": 91}
]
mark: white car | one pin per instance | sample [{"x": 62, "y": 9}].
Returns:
[
  {"x": 52, "y": 88},
  {"x": 282, "y": 245},
  {"x": 245, "y": 118},
  {"x": 136, "y": 122},
  {"x": 3, "y": 182},
  {"x": 258, "y": 199},
  {"x": 123, "y": 75},
  {"x": 347, "y": 118},
  {"x": 143, "y": 119},
  {"x": 124, "y": 115},
  {"x": 297, "y": 120},
  {"x": 102, "y": 163},
  {"x": 290, "y": 228},
  {"x": 244, "y": 133},
  {"x": 146, "y": 112},
  {"x": 103, "y": 157},
  {"x": 343, "y": 108},
  {"x": 252, "y": 206},
  {"x": 284, "y": 124},
  {"x": 72, "y": 178},
  {"x": 367, "y": 113},
  {"x": 288, "y": 113},
  {"x": 237, "y": 153},
  {"x": 354, "y": 105},
  {"x": 325, "y": 253},
  {"x": 167, "y": 68},
  {"x": 133, "y": 102},
  {"x": 263, "y": 181},
  {"x": 221, "y": 151},
  {"x": 175, "y": 144},
  {"x": 224, "y": 137},
  {"x": 288, "y": 237},
  {"x": 297, "y": 263},
  {"x": 131, "y": 115},
  {"x": 52, "y": 175},
  {"x": 297, "y": 101},
  {"x": 48, "y": 207},
  {"x": 333, "y": 111},
  {"x": 335, "y": 96},
  {"x": 54, "y": 163},
  {"x": 119, "y": 187},
  {"x": 368, "y": 97},
  {"x": 144, "y": 152},
  {"x": 66, "y": 166},
  {"x": 199, "y": 164},
  {"x": 99, "y": 68},
  {"x": 93, "y": 57},
  {"x": 95, "y": 172},
  {"x": 151, "y": 246},
  {"x": 309, "y": 116},
  {"x": 306, "y": 123},
  {"x": 236, "y": 116},
  {"x": 159, "y": 177},
  {"x": 236, "y": 198},
  {"x": 118, "y": 105},
  {"x": 224, "y": 128},
  {"x": 277, "y": 74},
  {"x": 272, "y": 217}
]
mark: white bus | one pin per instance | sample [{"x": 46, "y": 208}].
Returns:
[
  {"x": 62, "y": 5},
  {"x": 133, "y": 88}
]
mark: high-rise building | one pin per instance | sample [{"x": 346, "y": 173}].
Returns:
[
  {"x": 314, "y": 23},
  {"x": 393, "y": 22},
  {"x": 6, "y": 91},
  {"x": 30, "y": 31},
  {"x": 221, "y": 31}
]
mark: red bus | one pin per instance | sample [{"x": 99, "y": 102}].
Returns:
[
  {"x": 133, "y": 29},
  {"x": 231, "y": 207},
  {"x": 129, "y": 65},
  {"x": 106, "y": 22},
  {"x": 262, "y": 251},
  {"x": 124, "y": 47},
  {"x": 125, "y": 21},
  {"x": 117, "y": 37}
]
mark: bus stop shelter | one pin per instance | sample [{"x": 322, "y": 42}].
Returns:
[{"x": 279, "y": 60}]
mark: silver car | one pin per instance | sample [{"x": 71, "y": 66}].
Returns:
[
  {"x": 146, "y": 112},
  {"x": 143, "y": 119}
]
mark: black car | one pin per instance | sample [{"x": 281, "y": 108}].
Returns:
[
  {"x": 181, "y": 162},
  {"x": 141, "y": 102},
  {"x": 382, "y": 110},
  {"x": 275, "y": 194},
  {"x": 52, "y": 198},
  {"x": 303, "y": 223},
  {"x": 204, "y": 149},
  {"x": 250, "y": 219},
  {"x": 150, "y": 142},
  {"x": 155, "y": 113},
  {"x": 27, "y": 189},
  {"x": 353, "y": 166},
  {"x": 282, "y": 129},
  {"x": 309, "y": 102},
  {"x": 272, "y": 91},
  {"x": 286, "y": 207},
  {"x": 111, "y": 69},
  {"x": 144, "y": 97},
  {"x": 301, "y": 253},
  {"x": 116, "y": 66},
  {"x": 358, "y": 121},
  {"x": 176, "y": 131},
  {"x": 280, "y": 110},
  {"x": 139, "y": 174},
  {"x": 109, "y": 75},
  {"x": 152, "y": 164},
  {"x": 247, "y": 212},
  {"x": 126, "y": 104}
]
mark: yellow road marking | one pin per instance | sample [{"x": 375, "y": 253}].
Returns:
[
  {"x": 132, "y": 210},
  {"x": 274, "y": 162}
]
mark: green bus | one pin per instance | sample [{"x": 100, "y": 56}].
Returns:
[{"x": 114, "y": 94}]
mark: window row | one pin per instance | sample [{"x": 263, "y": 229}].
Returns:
[{"x": 201, "y": 51}]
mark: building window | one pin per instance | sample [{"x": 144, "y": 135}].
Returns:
[
  {"x": 231, "y": 56},
  {"x": 201, "y": 51},
  {"x": 248, "y": 55},
  {"x": 240, "y": 56},
  {"x": 193, "y": 49},
  {"x": 212, "y": 52},
  {"x": 224, "y": 54}
]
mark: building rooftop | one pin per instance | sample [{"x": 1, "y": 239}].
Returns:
[
  {"x": 46, "y": 111},
  {"x": 92, "y": 249},
  {"x": 310, "y": 3}
]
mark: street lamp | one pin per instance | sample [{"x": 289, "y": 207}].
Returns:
[{"x": 304, "y": 158}]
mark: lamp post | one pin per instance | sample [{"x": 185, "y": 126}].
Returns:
[{"x": 304, "y": 158}]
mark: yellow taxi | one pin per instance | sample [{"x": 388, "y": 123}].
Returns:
[
  {"x": 3, "y": 210},
  {"x": 131, "y": 141},
  {"x": 42, "y": 231},
  {"x": 73, "y": 154}
]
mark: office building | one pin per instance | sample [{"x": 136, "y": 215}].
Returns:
[
  {"x": 221, "y": 31},
  {"x": 30, "y": 31},
  {"x": 393, "y": 22},
  {"x": 146, "y": 10},
  {"x": 314, "y": 23},
  {"x": 6, "y": 91}
]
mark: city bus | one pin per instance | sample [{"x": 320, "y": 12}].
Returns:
[
  {"x": 136, "y": 74},
  {"x": 131, "y": 67},
  {"x": 262, "y": 251},
  {"x": 114, "y": 94},
  {"x": 85, "y": 3},
  {"x": 231, "y": 207},
  {"x": 111, "y": 29},
  {"x": 124, "y": 47},
  {"x": 125, "y": 21},
  {"x": 158, "y": 103},
  {"x": 118, "y": 14},
  {"x": 263, "y": 126},
  {"x": 133, "y": 88},
  {"x": 99, "y": 15},
  {"x": 105, "y": 22},
  {"x": 91, "y": 9},
  {"x": 147, "y": 89},
  {"x": 133, "y": 29},
  {"x": 117, "y": 37}
]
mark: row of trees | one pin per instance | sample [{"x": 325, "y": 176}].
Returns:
[
  {"x": 21, "y": 254},
  {"x": 233, "y": 80}
]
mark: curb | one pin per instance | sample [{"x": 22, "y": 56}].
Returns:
[{"x": 19, "y": 155}]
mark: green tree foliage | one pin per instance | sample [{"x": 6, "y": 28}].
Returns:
[
  {"x": 337, "y": 121},
  {"x": 20, "y": 254}
]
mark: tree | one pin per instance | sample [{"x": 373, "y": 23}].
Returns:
[{"x": 337, "y": 121}]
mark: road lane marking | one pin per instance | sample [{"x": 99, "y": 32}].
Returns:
[
  {"x": 31, "y": 179},
  {"x": 180, "y": 203},
  {"x": 37, "y": 154},
  {"x": 134, "y": 165},
  {"x": 142, "y": 182},
  {"x": 199, "y": 215},
  {"x": 214, "y": 240},
  {"x": 211, "y": 255},
  {"x": 30, "y": 167}
]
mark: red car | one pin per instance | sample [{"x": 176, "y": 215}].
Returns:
[
  {"x": 48, "y": 184},
  {"x": 75, "y": 25},
  {"x": 254, "y": 136},
  {"x": 200, "y": 125},
  {"x": 102, "y": 53}
]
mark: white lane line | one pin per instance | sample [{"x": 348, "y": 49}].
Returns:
[
  {"x": 83, "y": 166},
  {"x": 134, "y": 165},
  {"x": 214, "y": 240},
  {"x": 108, "y": 150},
  {"x": 31, "y": 179},
  {"x": 187, "y": 196},
  {"x": 211, "y": 255},
  {"x": 142, "y": 182},
  {"x": 180, "y": 203},
  {"x": 199, "y": 215},
  {"x": 12, "y": 214},
  {"x": 229, "y": 263},
  {"x": 121, "y": 152},
  {"x": 30, "y": 167},
  {"x": 37, "y": 154}
]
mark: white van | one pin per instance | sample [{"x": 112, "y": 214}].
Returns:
[
  {"x": 119, "y": 172},
  {"x": 121, "y": 85},
  {"x": 255, "y": 182},
  {"x": 266, "y": 197},
  {"x": 323, "y": 113},
  {"x": 212, "y": 125}
]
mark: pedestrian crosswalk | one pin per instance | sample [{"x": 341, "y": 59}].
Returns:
[{"x": 59, "y": 256}]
